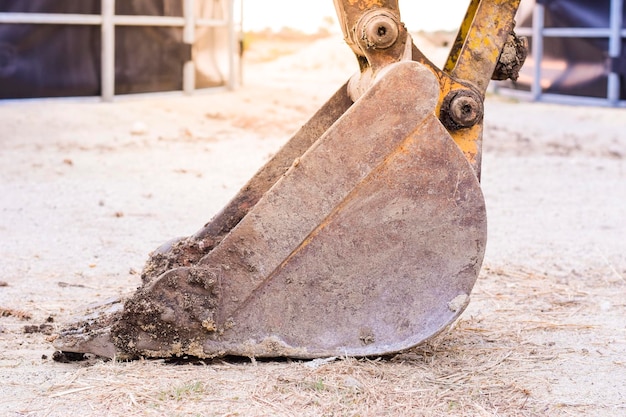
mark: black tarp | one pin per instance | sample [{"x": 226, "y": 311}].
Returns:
[
  {"x": 574, "y": 66},
  {"x": 64, "y": 60}
]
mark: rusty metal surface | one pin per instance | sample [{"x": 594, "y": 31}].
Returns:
[
  {"x": 479, "y": 42},
  {"x": 476, "y": 53},
  {"x": 363, "y": 236},
  {"x": 369, "y": 244},
  {"x": 468, "y": 139},
  {"x": 188, "y": 251},
  {"x": 418, "y": 250},
  {"x": 350, "y": 12}
]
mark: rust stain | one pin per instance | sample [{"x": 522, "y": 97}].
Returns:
[{"x": 365, "y": 4}]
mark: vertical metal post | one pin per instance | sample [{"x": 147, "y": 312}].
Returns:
[
  {"x": 537, "y": 50},
  {"x": 232, "y": 45},
  {"x": 240, "y": 46},
  {"x": 108, "y": 50},
  {"x": 189, "y": 35},
  {"x": 615, "y": 49}
]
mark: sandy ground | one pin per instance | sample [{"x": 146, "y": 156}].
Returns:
[{"x": 88, "y": 189}]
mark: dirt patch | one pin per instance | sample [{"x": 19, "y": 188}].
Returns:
[
  {"x": 173, "y": 316},
  {"x": 511, "y": 59}
]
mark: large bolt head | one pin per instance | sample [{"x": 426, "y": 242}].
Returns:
[
  {"x": 461, "y": 109},
  {"x": 381, "y": 32},
  {"x": 378, "y": 29},
  {"x": 465, "y": 111}
]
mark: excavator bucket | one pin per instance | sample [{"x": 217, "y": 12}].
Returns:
[{"x": 363, "y": 236}]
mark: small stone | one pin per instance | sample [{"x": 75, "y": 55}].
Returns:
[
  {"x": 67, "y": 357},
  {"x": 351, "y": 382},
  {"x": 31, "y": 328},
  {"x": 316, "y": 363},
  {"x": 458, "y": 303},
  {"x": 139, "y": 128}
]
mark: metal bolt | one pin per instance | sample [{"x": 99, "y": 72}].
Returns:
[
  {"x": 462, "y": 108},
  {"x": 378, "y": 29},
  {"x": 465, "y": 111}
]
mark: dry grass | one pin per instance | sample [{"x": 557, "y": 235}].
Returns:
[
  {"x": 486, "y": 364},
  {"x": 431, "y": 381},
  {"x": 10, "y": 312}
]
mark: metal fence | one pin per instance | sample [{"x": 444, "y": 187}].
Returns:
[
  {"x": 615, "y": 34},
  {"x": 108, "y": 20}
]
